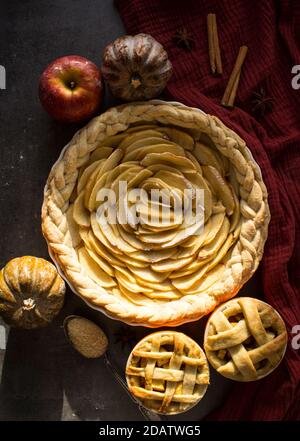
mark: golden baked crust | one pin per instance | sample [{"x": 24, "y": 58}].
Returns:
[
  {"x": 245, "y": 339},
  {"x": 197, "y": 290},
  {"x": 167, "y": 372}
]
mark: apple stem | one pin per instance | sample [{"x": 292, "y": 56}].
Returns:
[
  {"x": 72, "y": 84},
  {"x": 136, "y": 81}
]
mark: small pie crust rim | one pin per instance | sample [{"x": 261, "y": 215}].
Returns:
[
  {"x": 246, "y": 254},
  {"x": 193, "y": 342},
  {"x": 206, "y": 332}
]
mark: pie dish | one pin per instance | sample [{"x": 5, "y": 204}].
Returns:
[
  {"x": 245, "y": 339},
  {"x": 145, "y": 274},
  {"x": 167, "y": 372}
]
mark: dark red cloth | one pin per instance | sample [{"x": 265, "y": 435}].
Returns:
[{"x": 271, "y": 30}]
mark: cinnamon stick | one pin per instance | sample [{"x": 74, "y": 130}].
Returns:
[
  {"x": 213, "y": 45},
  {"x": 217, "y": 46},
  {"x": 212, "y": 58},
  {"x": 232, "y": 85},
  {"x": 233, "y": 92}
]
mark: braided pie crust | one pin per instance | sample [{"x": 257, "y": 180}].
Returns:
[{"x": 148, "y": 276}]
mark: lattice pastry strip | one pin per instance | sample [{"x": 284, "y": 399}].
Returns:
[
  {"x": 245, "y": 339},
  {"x": 168, "y": 372}
]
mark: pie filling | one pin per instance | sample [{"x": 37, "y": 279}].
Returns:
[
  {"x": 158, "y": 257},
  {"x": 167, "y": 372}
]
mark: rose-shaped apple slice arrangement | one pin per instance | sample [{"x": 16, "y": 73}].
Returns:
[
  {"x": 71, "y": 89},
  {"x": 151, "y": 261}
]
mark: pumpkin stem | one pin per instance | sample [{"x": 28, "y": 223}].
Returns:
[
  {"x": 28, "y": 304},
  {"x": 136, "y": 81}
]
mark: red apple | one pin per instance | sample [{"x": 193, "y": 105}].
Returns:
[{"x": 71, "y": 89}]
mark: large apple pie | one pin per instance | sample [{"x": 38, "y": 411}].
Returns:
[{"x": 157, "y": 271}]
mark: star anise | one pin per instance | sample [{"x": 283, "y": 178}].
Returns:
[
  {"x": 261, "y": 102},
  {"x": 184, "y": 39},
  {"x": 126, "y": 336}
]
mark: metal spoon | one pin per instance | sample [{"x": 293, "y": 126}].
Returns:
[{"x": 147, "y": 414}]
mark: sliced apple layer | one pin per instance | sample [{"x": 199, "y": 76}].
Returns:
[{"x": 151, "y": 249}]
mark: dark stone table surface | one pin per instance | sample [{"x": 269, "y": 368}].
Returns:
[{"x": 42, "y": 376}]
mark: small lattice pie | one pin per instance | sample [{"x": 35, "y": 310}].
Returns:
[
  {"x": 245, "y": 339},
  {"x": 160, "y": 271},
  {"x": 167, "y": 372}
]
